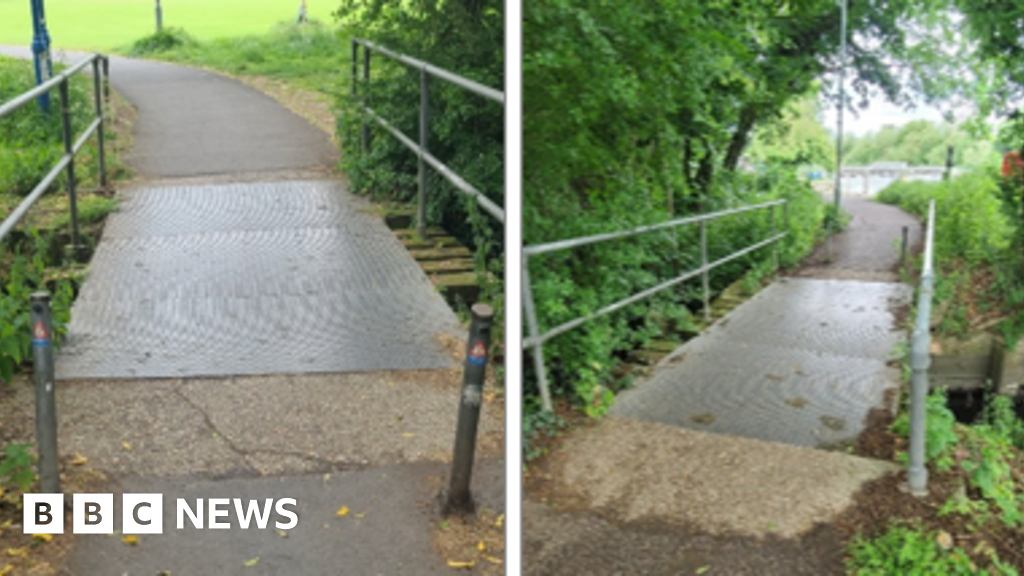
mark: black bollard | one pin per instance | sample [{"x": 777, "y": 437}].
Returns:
[{"x": 458, "y": 498}]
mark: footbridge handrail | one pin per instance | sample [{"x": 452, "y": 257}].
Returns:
[
  {"x": 920, "y": 360},
  {"x": 536, "y": 340},
  {"x": 421, "y": 149},
  {"x": 101, "y": 69}
]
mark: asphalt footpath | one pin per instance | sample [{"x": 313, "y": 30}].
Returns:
[
  {"x": 374, "y": 443},
  {"x": 709, "y": 465}
]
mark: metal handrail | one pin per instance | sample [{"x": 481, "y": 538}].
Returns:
[
  {"x": 421, "y": 149},
  {"x": 920, "y": 360},
  {"x": 101, "y": 71},
  {"x": 536, "y": 340}
]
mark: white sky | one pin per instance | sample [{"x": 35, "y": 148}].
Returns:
[{"x": 879, "y": 113}]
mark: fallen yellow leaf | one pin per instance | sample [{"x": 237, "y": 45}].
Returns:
[
  {"x": 492, "y": 559},
  {"x": 12, "y": 552},
  {"x": 362, "y": 515},
  {"x": 43, "y": 537},
  {"x": 343, "y": 511},
  {"x": 131, "y": 540},
  {"x": 481, "y": 546},
  {"x": 497, "y": 523},
  {"x": 253, "y": 562},
  {"x": 281, "y": 533},
  {"x": 79, "y": 459},
  {"x": 126, "y": 445},
  {"x": 7, "y": 523},
  {"x": 461, "y": 565},
  {"x": 6, "y": 570},
  {"x": 408, "y": 434}
]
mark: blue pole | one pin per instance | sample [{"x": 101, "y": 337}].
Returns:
[{"x": 41, "y": 50}]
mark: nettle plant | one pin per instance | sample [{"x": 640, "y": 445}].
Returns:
[{"x": 26, "y": 276}]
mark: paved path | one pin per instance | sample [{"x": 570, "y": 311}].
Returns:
[
  {"x": 238, "y": 266},
  {"x": 804, "y": 360},
  {"x": 195, "y": 277}
]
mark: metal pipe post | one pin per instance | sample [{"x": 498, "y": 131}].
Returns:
[
  {"x": 538, "y": 347},
  {"x": 69, "y": 151},
  {"x": 903, "y": 246},
  {"x": 366, "y": 98},
  {"x": 459, "y": 499},
  {"x": 834, "y": 221},
  {"x": 159, "y": 17},
  {"x": 775, "y": 245},
  {"x": 99, "y": 129},
  {"x": 46, "y": 405},
  {"x": 920, "y": 360},
  {"x": 705, "y": 281},
  {"x": 421, "y": 211}
]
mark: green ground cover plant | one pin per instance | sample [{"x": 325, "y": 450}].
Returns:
[{"x": 980, "y": 273}]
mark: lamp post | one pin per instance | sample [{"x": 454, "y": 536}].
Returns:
[
  {"x": 41, "y": 50},
  {"x": 834, "y": 220},
  {"x": 159, "y": 17}
]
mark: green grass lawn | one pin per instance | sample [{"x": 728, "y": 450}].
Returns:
[{"x": 106, "y": 24}]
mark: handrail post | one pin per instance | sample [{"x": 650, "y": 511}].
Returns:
[
  {"x": 775, "y": 244},
  {"x": 46, "y": 405},
  {"x": 366, "y": 98},
  {"x": 99, "y": 115},
  {"x": 538, "y": 347},
  {"x": 920, "y": 360},
  {"x": 69, "y": 151},
  {"x": 421, "y": 212},
  {"x": 705, "y": 281}
]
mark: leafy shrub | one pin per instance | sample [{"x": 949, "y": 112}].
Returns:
[
  {"x": 31, "y": 140},
  {"x": 24, "y": 278},
  {"x": 16, "y": 466},
  {"x": 976, "y": 235},
  {"x": 908, "y": 551},
  {"x": 466, "y": 130},
  {"x": 162, "y": 41}
]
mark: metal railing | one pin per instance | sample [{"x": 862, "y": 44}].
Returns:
[
  {"x": 100, "y": 64},
  {"x": 920, "y": 360},
  {"x": 422, "y": 149},
  {"x": 536, "y": 340}
]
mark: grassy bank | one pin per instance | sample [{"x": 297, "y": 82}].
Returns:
[
  {"x": 32, "y": 256},
  {"x": 105, "y": 24},
  {"x": 979, "y": 265},
  {"x": 313, "y": 56}
]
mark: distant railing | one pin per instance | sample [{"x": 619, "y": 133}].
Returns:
[
  {"x": 421, "y": 149},
  {"x": 920, "y": 360},
  {"x": 536, "y": 340},
  {"x": 66, "y": 163}
]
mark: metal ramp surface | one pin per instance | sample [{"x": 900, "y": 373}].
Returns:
[
  {"x": 255, "y": 278},
  {"x": 802, "y": 362}
]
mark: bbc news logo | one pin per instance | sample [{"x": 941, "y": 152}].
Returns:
[{"x": 143, "y": 513}]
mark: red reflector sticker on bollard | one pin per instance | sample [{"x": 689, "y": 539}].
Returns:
[
  {"x": 478, "y": 354},
  {"x": 40, "y": 336}
]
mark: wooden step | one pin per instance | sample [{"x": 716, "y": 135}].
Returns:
[
  {"x": 447, "y": 266},
  {"x": 458, "y": 287},
  {"x": 432, "y": 254}
]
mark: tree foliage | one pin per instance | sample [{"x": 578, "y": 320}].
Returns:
[
  {"x": 920, "y": 143},
  {"x": 465, "y": 37}
]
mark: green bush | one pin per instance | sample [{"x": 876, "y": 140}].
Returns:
[
  {"x": 466, "y": 130},
  {"x": 976, "y": 236},
  {"x": 162, "y": 41},
  {"x": 31, "y": 140},
  {"x": 908, "y": 551},
  {"x": 573, "y": 283}
]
